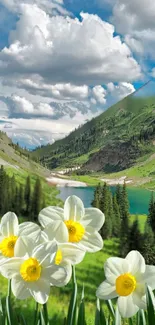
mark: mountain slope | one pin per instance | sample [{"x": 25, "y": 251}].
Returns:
[{"x": 112, "y": 141}]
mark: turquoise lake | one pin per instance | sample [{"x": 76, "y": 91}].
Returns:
[{"x": 138, "y": 198}]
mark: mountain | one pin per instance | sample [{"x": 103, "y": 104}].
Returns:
[{"x": 113, "y": 141}]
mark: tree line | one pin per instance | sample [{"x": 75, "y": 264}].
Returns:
[
  {"x": 118, "y": 225},
  {"x": 25, "y": 200}
]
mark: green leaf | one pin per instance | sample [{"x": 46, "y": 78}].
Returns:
[
  {"x": 117, "y": 317},
  {"x": 9, "y": 312},
  {"x": 22, "y": 320},
  {"x": 150, "y": 307},
  {"x": 110, "y": 308},
  {"x": 97, "y": 315},
  {"x": 81, "y": 314},
  {"x": 72, "y": 310},
  {"x": 42, "y": 320},
  {"x": 141, "y": 318},
  {"x": 102, "y": 317}
]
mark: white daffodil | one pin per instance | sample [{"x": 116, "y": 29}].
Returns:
[
  {"x": 127, "y": 279},
  {"x": 34, "y": 270},
  {"x": 67, "y": 255},
  {"x": 74, "y": 224},
  {"x": 10, "y": 230}
]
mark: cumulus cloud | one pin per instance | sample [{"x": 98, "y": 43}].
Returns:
[
  {"x": 136, "y": 20},
  {"x": 66, "y": 50},
  {"x": 53, "y": 7},
  {"x": 99, "y": 94},
  {"x": 121, "y": 90}
]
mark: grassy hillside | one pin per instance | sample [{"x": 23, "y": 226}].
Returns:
[
  {"x": 113, "y": 141},
  {"x": 18, "y": 162}
]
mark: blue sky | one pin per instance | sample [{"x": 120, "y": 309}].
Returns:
[{"x": 63, "y": 62}]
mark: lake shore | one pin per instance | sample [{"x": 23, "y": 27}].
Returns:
[{"x": 65, "y": 182}]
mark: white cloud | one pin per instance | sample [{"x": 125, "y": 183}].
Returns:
[
  {"x": 36, "y": 85},
  {"x": 53, "y": 7},
  {"x": 99, "y": 94},
  {"x": 121, "y": 90},
  {"x": 65, "y": 50},
  {"x": 136, "y": 20}
]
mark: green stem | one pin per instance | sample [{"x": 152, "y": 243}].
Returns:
[
  {"x": 9, "y": 289},
  {"x": 45, "y": 314},
  {"x": 36, "y": 313}
]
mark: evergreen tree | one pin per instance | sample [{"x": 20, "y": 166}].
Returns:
[
  {"x": 21, "y": 198},
  {"x": 36, "y": 200},
  {"x": 116, "y": 218},
  {"x": 106, "y": 208},
  {"x": 151, "y": 215},
  {"x": 124, "y": 233},
  {"x": 135, "y": 237},
  {"x": 124, "y": 202},
  {"x": 148, "y": 250},
  {"x": 97, "y": 194},
  {"x": 17, "y": 202},
  {"x": 27, "y": 196},
  {"x": 118, "y": 193},
  {"x": 13, "y": 192}
]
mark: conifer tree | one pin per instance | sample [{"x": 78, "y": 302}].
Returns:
[
  {"x": 21, "y": 198},
  {"x": 118, "y": 193},
  {"x": 124, "y": 233},
  {"x": 97, "y": 195},
  {"x": 105, "y": 207},
  {"x": 17, "y": 202},
  {"x": 116, "y": 218},
  {"x": 148, "y": 250},
  {"x": 36, "y": 200},
  {"x": 151, "y": 215},
  {"x": 27, "y": 196},
  {"x": 135, "y": 237},
  {"x": 13, "y": 191}
]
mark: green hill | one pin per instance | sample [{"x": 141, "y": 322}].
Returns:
[
  {"x": 18, "y": 162},
  {"x": 113, "y": 141}
]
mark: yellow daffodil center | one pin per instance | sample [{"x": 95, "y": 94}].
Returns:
[
  {"x": 7, "y": 246},
  {"x": 30, "y": 270},
  {"x": 125, "y": 284},
  {"x": 58, "y": 257},
  {"x": 75, "y": 231}
]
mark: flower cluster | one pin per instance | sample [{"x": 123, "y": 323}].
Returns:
[{"x": 37, "y": 257}]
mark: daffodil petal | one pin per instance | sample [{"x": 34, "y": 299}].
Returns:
[
  {"x": 139, "y": 300},
  {"x": 29, "y": 229},
  {"x": 93, "y": 217},
  {"x": 9, "y": 224},
  {"x": 50, "y": 214},
  {"x": 58, "y": 276},
  {"x": 11, "y": 267},
  {"x": 68, "y": 267},
  {"x": 71, "y": 253},
  {"x": 40, "y": 290},
  {"x": 19, "y": 288},
  {"x": 149, "y": 276},
  {"x": 127, "y": 307},
  {"x": 114, "y": 266},
  {"x": 73, "y": 208},
  {"x": 106, "y": 291},
  {"x": 91, "y": 241},
  {"x": 137, "y": 262},
  {"x": 57, "y": 230},
  {"x": 45, "y": 253},
  {"x": 23, "y": 247}
]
